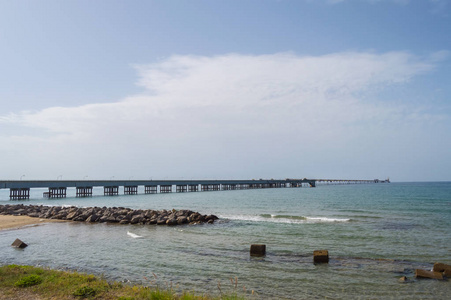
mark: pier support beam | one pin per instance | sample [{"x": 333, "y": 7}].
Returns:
[
  {"x": 165, "y": 188},
  {"x": 131, "y": 190},
  {"x": 226, "y": 187},
  {"x": 56, "y": 192},
  {"x": 111, "y": 190},
  {"x": 210, "y": 187},
  {"x": 85, "y": 191},
  {"x": 193, "y": 187},
  {"x": 181, "y": 188},
  {"x": 150, "y": 189},
  {"x": 19, "y": 193}
]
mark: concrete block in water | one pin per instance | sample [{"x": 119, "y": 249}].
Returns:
[
  {"x": 419, "y": 273},
  {"x": 19, "y": 244},
  {"x": 442, "y": 268},
  {"x": 320, "y": 256},
  {"x": 258, "y": 250}
]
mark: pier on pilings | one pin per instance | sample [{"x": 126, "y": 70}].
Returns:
[
  {"x": 226, "y": 187},
  {"x": 150, "y": 189},
  {"x": 165, "y": 188},
  {"x": 19, "y": 193},
  {"x": 210, "y": 187},
  {"x": 56, "y": 192},
  {"x": 131, "y": 190},
  {"x": 193, "y": 188},
  {"x": 111, "y": 190},
  {"x": 181, "y": 188},
  {"x": 85, "y": 191}
]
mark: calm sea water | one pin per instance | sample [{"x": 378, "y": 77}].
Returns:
[{"x": 375, "y": 233}]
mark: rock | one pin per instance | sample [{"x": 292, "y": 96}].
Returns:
[
  {"x": 112, "y": 214},
  {"x": 171, "y": 221},
  {"x": 92, "y": 218},
  {"x": 161, "y": 221},
  {"x": 419, "y": 273},
  {"x": 211, "y": 217},
  {"x": 136, "y": 219},
  {"x": 320, "y": 256},
  {"x": 71, "y": 215},
  {"x": 442, "y": 268},
  {"x": 403, "y": 279},
  {"x": 258, "y": 250},
  {"x": 182, "y": 220},
  {"x": 19, "y": 244}
]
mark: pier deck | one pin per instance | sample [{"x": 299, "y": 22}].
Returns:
[{"x": 20, "y": 189}]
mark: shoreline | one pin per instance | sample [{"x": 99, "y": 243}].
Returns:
[{"x": 10, "y": 222}]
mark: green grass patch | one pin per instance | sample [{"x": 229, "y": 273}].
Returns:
[
  {"x": 29, "y": 280},
  {"x": 44, "y": 283}
]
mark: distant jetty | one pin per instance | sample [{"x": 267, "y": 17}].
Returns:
[{"x": 119, "y": 215}]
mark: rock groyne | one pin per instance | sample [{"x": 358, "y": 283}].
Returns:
[{"x": 119, "y": 215}]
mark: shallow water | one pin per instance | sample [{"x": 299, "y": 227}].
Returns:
[{"x": 375, "y": 233}]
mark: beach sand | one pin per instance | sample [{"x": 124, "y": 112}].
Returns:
[{"x": 14, "y": 222}]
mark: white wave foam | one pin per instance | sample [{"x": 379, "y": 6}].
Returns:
[
  {"x": 135, "y": 236},
  {"x": 278, "y": 219},
  {"x": 323, "y": 219}
]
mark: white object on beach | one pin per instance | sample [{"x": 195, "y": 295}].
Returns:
[{"x": 135, "y": 236}]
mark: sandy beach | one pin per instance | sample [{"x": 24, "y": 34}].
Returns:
[{"x": 14, "y": 222}]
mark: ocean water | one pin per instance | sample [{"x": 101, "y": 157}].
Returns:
[{"x": 375, "y": 234}]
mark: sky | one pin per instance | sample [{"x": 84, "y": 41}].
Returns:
[{"x": 336, "y": 89}]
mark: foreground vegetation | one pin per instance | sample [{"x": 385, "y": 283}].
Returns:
[{"x": 27, "y": 282}]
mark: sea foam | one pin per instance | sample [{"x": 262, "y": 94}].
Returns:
[{"x": 283, "y": 219}]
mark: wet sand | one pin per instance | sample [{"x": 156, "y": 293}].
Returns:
[{"x": 14, "y": 222}]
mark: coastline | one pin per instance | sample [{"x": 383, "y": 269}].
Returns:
[{"x": 9, "y": 222}]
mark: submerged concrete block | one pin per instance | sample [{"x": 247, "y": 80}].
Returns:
[
  {"x": 258, "y": 250},
  {"x": 320, "y": 256},
  {"x": 19, "y": 244},
  {"x": 428, "y": 274}
]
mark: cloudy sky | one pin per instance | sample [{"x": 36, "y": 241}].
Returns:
[{"x": 346, "y": 89}]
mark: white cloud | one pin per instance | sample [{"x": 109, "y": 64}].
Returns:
[{"x": 222, "y": 116}]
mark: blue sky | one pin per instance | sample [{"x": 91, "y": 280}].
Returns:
[{"x": 226, "y": 89}]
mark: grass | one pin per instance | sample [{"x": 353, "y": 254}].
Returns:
[{"x": 22, "y": 282}]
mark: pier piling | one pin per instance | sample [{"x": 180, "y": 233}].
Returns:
[
  {"x": 111, "y": 190},
  {"x": 84, "y": 191},
  {"x": 19, "y": 193},
  {"x": 150, "y": 189}
]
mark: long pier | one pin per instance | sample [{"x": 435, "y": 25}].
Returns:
[{"x": 20, "y": 189}]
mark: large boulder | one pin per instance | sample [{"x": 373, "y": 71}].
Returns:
[
  {"x": 182, "y": 220},
  {"x": 171, "y": 221}
]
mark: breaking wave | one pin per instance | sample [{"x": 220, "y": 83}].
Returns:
[{"x": 284, "y": 219}]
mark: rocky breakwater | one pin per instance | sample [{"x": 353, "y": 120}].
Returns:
[{"x": 119, "y": 215}]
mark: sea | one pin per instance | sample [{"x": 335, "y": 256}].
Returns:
[{"x": 374, "y": 233}]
